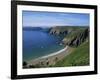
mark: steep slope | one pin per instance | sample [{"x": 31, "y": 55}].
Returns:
[
  {"x": 78, "y": 57},
  {"x": 72, "y": 36},
  {"x": 77, "y": 38},
  {"x": 60, "y": 30}
]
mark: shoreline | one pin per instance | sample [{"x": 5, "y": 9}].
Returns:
[
  {"x": 51, "y": 58},
  {"x": 55, "y": 53}
]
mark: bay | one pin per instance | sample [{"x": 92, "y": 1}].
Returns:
[{"x": 38, "y": 43}]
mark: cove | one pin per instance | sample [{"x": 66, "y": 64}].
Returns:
[{"x": 38, "y": 43}]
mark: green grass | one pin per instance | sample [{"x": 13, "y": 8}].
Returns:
[
  {"x": 78, "y": 57},
  {"x": 75, "y": 32}
]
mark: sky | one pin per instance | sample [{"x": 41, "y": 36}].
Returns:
[{"x": 50, "y": 19}]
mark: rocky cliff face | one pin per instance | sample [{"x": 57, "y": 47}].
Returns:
[
  {"x": 59, "y": 30},
  {"x": 76, "y": 39},
  {"x": 73, "y": 36}
]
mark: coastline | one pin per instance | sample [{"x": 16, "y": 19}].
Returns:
[
  {"x": 55, "y": 53},
  {"x": 52, "y": 58}
]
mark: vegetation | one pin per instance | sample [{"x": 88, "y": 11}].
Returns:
[
  {"x": 77, "y": 38},
  {"x": 79, "y": 57},
  {"x": 24, "y": 63}
]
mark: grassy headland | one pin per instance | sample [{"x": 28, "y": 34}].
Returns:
[
  {"x": 78, "y": 57},
  {"x": 77, "y": 40}
]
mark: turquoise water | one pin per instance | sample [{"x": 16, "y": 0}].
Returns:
[{"x": 37, "y": 43}]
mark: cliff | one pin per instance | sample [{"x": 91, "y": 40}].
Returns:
[
  {"x": 60, "y": 30},
  {"x": 77, "y": 38},
  {"x": 73, "y": 36}
]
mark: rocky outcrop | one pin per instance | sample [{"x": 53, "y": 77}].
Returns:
[
  {"x": 77, "y": 39},
  {"x": 59, "y": 30},
  {"x": 73, "y": 36}
]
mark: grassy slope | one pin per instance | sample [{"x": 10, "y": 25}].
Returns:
[
  {"x": 70, "y": 28},
  {"x": 74, "y": 33},
  {"x": 79, "y": 57}
]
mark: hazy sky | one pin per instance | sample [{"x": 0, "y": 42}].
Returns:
[{"x": 45, "y": 19}]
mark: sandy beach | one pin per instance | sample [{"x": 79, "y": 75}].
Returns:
[{"x": 50, "y": 59}]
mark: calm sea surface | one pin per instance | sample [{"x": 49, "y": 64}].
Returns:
[{"x": 37, "y": 43}]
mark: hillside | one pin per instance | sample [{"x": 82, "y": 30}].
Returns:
[
  {"x": 78, "y": 57},
  {"x": 77, "y": 38},
  {"x": 72, "y": 36}
]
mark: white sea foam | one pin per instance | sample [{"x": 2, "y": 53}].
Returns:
[
  {"x": 55, "y": 53},
  {"x": 50, "y": 55}
]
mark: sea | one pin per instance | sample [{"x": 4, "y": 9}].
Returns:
[{"x": 38, "y": 43}]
